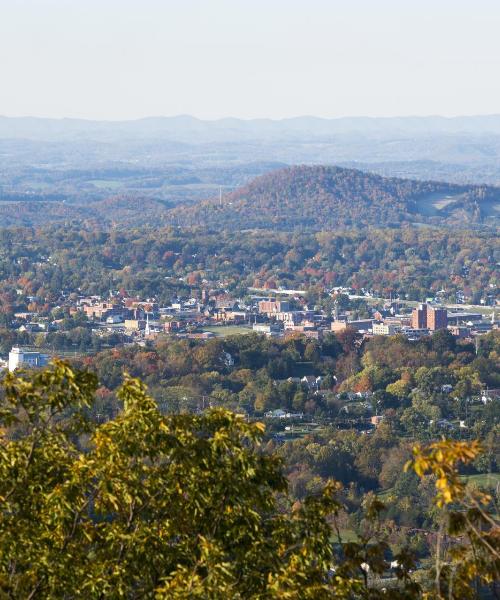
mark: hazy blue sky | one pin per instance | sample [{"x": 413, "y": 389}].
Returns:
[{"x": 115, "y": 59}]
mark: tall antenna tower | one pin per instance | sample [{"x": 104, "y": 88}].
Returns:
[{"x": 220, "y": 195}]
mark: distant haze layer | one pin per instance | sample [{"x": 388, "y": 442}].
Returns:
[
  {"x": 190, "y": 129},
  {"x": 182, "y": 160}
]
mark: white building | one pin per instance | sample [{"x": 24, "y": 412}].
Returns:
[
  {"x": 113, "y": 319},
  {"x": 385, "y": 329},
  {"x": 291, "y": 317},
  {"x": 279, "y": 413},
  {"x": 25, "y": 358},
  {"x": 269, "y": 329}
]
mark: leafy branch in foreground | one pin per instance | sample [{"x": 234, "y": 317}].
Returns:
[
  {"x": 178, "y": 506},
  {"x": 470, "y": 521}
]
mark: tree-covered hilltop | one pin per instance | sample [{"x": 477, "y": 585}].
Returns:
[
  {"x": 292, "y": 198},
  {"x": 320, "y": 197},
  {"x": 193, "y": 506}
]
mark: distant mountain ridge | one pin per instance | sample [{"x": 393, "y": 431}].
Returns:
[
  {"x": 323, "y": 197},
  {"x": 186, "y": 128}
]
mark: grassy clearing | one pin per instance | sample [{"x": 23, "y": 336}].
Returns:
[
  {"x": 487, "y": 481},
  {"x": 484, "y": 480},
  {"x": 346, "y": 535},
  {"x": 226, "y": 330},
  {"x": 385, "y": 494}
]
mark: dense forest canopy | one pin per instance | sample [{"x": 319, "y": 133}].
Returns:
[{"x": 411, "y": 263}]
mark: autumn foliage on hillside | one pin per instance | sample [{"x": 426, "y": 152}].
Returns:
[{"x": 320, "y": 197}]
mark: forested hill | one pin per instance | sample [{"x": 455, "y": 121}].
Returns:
[
  {"x": 293, "y": 198},
  {"x": 321, "y": 197}
]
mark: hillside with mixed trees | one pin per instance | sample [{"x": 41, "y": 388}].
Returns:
[
  {"x": 109, "y": 491},
  {"x": 292, "y": 198},
  {"x": 320, "y": 197},
  {"x": 166, "y": 262}
]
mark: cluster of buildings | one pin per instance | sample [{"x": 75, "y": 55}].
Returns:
[
  {"x": 423, "y": 320},
  {"x": 139, "y": 320},
  {"x": 420, "y": 322},
  {"x": 277, "y": 318},
  {"x": 273, "y": 316}
]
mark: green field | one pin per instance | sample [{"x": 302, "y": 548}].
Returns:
[
  {"x": 346, "y": 535},
  {"x": 225, "y": 330},
  {"x": 487, "y": 481},
  {"x": 484, "y": 480}
]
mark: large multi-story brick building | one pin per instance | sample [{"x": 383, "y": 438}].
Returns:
[
  {"x": 419, "y": 317},
  {"x": 358, "y": 325},
  {"x": 102, "y": 310},
  {"x": 271, "y": 307},
  {"x": 437, "y": 318},
  {"x": 429, "y": 317}
]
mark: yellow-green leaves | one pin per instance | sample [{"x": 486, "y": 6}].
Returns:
[
  {"x": 186, "y": 506},
  {"x": 474, "y": 552},
  {"x": 182, "y": 506},
  {"x": 441, "y": 459}
]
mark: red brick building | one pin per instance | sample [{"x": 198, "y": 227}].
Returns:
[
  {"x": 419, "y": 317},
  {"x": 437, "y": 318},
  {"x": 428, "y": 317},
  {"x": 271, "y": 307}
]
